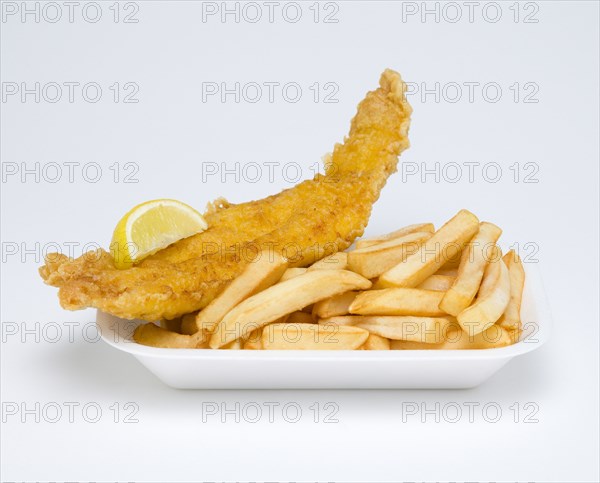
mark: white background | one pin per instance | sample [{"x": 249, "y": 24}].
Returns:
[{"x": 171, "y": 132}]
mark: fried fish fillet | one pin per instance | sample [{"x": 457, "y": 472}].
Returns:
[{"x": 315, "y": 218}]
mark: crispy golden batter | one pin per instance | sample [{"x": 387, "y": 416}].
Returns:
[{"x": 315, "y": 218}]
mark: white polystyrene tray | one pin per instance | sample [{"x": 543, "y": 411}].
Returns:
[{"x": 399, "y": 369}]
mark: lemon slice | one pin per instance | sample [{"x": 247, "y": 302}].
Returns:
[{"x": 152, "y": 226}]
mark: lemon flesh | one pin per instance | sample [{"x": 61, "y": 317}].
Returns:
[{"x": 152, "y": 226}]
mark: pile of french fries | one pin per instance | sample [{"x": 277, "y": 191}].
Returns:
[{"x": 413, "y": 289}]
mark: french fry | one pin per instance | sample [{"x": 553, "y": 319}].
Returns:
[
  {"x": 411, "y": 345},
  {"x": 300, "y": 318},
  {"x": 254, "y": 340},
  {"x": 435, "y": 252},
  {"x": 511, "y": 319},
  {"x": 335, "y": 261},
  {"x": 154, "y": 336},
  {"x": 452, "y": 336},
  {"x": 291, "y": 273},
  {"x": 256, "y": 277},
  {"x": 491, "y": 302},
  {"x": 397, "y": 327},
  {"x": 376, "y": 343},
  {"x": 447, "y": 272},
  {"x": 372, "y": 261},
  {"x": 188, "y": 324},
  {"x": 174, "y": 325},
  {"x": 452, "y": 262},
  {"x": 457, "y": 339},
  {"x": 284, "y": 298},
  {"x": 470, "y": 271},
  {"x": 398, "y": 301},
  {"x": 515, "y": 335},
  {"x": 420, "y": 329},
  {"x": 420, "y": 227},
  {"x": 492, "y": 337},
  {"x": 440, "y": 283},
  {"x": 312, "y": 337},
  {"x": 336, "y": 305},
  {"x": 340, "y": 320}
]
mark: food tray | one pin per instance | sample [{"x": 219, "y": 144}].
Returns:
[{"x": 398, "y": 369}]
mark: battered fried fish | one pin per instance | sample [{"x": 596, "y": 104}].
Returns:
[{"x": 305, "y": 223}]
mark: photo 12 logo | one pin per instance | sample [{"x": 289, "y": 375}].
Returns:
[
  {"x": 469, "y": 411},
  {"x": 68, "y": 412},
  {"x": 64, "y": 332},
  {"x": 471, "y": 91},
  {"x": 270, "y": 92},
  {"x": 290, "y": 172},
  {"x": 453, "y": 172},
  {"x": 470, "y": 12},
  {"x": 70, "y": 12},
  {"x": 270, "y": 12},
  {"x": 70, "y": 92},
  {"x": 53, "y": 172},
  {"x": 270, "y": 412},
  {"x": 50, "y": 332}
]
